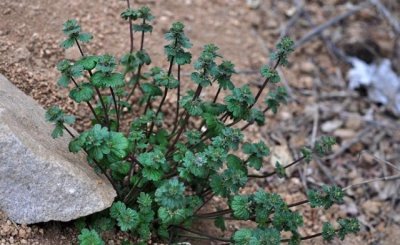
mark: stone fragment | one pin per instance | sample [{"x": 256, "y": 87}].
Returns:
[
  {"x": 307, "y": 67},
  {"x": 330, "y": 126},
  {"x": 344, "y": 133},
  {"x": 40, "y": 180},
  {"x": 354, "y": 122}
]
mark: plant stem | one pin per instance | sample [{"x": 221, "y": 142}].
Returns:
[
  {"x": 116, "y": 107},
  {"x": 88, "y": 103},
  {"x": 130, "y": 27},
  {"x": 248, "y": 124},
  {"x": 69, "y": 132},
  {"x": 104, "y": 171},
  {"x": 131, "y": 193},
  {"x": 97, "y": 90},
  {"x": 142, "y": 39},
  {"x": 139, "y": 67},
  {"x": 228, "y": 210},
  {"x": 204, "y": 203},
  {"x": 217, "y": 94},
  {"x": 216, "y": 213},
  {"x": 196, "y": 95},
  {"x": 103, "y": 105},
  {"x": 148, "y": 105},
  {"x": 306, "y": 237},
  {"x": 274, "y": 172},
  {"x": 264, "y": 85},
  {"x": 171, "y": 63},
  {"x": 204, "y": 235},
  {"x": 297, "y": 203},
  {"x": 79, "y": 47},
  {"x": 178, "y": 96}
]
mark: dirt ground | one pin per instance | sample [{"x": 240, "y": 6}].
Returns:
[{"x": 320, "y": 103}]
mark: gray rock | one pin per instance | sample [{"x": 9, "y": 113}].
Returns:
[{"x": 40, "y": 180}]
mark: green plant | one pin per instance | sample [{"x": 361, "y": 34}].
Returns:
[{"x": 165, "y": 175}]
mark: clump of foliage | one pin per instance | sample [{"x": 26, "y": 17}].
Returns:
[{"x": 166, "y": 167}]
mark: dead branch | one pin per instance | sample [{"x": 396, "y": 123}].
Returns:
[
  {"x": 392, "y": 20},
  {"x": 385, "y": 178},
  {"x": 319, "y": 29}
]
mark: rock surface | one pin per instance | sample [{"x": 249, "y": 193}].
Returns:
[{"x": 39, "y": 179}]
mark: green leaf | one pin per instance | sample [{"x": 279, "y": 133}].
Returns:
[
  {"x": 256, "y": 152},
  {"x": 144, "y": 12},
  {"x": 325, "y": 198},
  {"x": 234, "y": 162},
  {"x": 129, "y": 14},
  {"x": 101, "y": 224},
  {"x": 84, "y": 92},
  {"x": 275, "y": 98},
  {"x": 64, "y": 81},
  {"x": 284, "y": 48},
  {"x": 239, "y": 101},
  {"x": 266, "y": 204},
  {"x": 266, "y": 236},
  {"x": 229, "y": 182},
  {"x": 151, "y": 89},
  {"x": 192, "y": 106},
  {"x": 68, "y": 43},
  {"x": 307, "y": 154},
  {"x": 54, "y": 114},
  {"x": 280, "y": 170},
  {"x": 71, "y": 27},
  {"x": 225, "y": 71},
  {"x": 171, "y": 194},
  {"x": 75, "y": 145},
  {"x": 347, "y": 226},
  {"x": 152, "y": 174},
  {"x": 127, "y": 218},
  {"x": 118, "y": 144},
  {"x": 144, "y": 200},
  {"x": 256, "y": 116},
  {"x": 179, "y": 41},
  {"x": 242, "y": 237},
  {"x": 87, "y": 62},
  {"x": 143, "y": 57},
  {"x": 154, "y": 164},
  {"x": 90, "y": 237},
  {"x": 63, "y": 66},
  {"x": 72, "y": 30},
  {"x": 241, "y": 207},
  {"x": 220, "y": 223},
  {"x": 106, "y": 63},
  {"x": 324, "y": 145},
  {"x": 183, "y": 58},
  {"x": 213, "y": 108},
  {"x": 287, "y": 220},
  {"x": 270, "y": 74},
  {"x": 85, "y": 37},
  {"x": 142, "y": 28},
  {"x": 328, "y": 231},
  {"x": 103, "y": 80},
  {"x": 196, "y": 164},
  {"x": 69, "y": 119},
  {"x": 200, "y": 79},
  {"x": 161, "y": 78},
  {"x": 58, "y": 131},
  {"x": 120, "y": 169}
]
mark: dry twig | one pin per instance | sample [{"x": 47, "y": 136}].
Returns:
[{"x": 319, "y": 29}]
